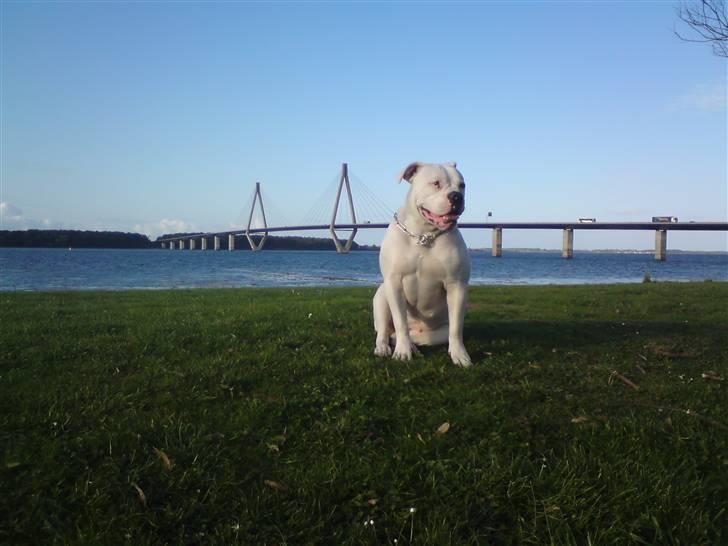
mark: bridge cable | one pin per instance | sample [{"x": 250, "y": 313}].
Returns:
[
  {"x": 274, "y": 215},
  {"x": 320, "y": 211},
  {"x": 381, "y": 210},
  {"x": 241, "y": 219}
]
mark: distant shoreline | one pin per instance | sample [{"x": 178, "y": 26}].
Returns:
[{"x": 80, "y": 239}]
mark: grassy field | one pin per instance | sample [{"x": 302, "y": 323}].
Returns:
[{"x": 593, "y": 415}]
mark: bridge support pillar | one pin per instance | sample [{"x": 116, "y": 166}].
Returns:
[
  {"x": 193, "y": 244},
  {"x": 497, "y": 250},
  {"x": 257, "y": 197},
  {"x": 216, "y": 242},
  {"x": 567, "y": 249},
  {"x": 203, "y": 243},
  {"x": 660, "y": 245},
  {"x": 164, "y": 245},
  {"x": 181, "y": 244},
  {"x": 343, "y": 184},
  {"x": 231, "y": 242}
]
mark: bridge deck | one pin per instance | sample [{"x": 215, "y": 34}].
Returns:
[{"x": 654, "y": 226}]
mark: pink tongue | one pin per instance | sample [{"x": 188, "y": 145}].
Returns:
[{"x": 443, "y": 221}]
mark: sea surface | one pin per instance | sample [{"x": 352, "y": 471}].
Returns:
[{"x": 87, "y": 269}]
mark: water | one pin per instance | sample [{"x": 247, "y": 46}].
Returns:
[{"x": 60, "y": 269}]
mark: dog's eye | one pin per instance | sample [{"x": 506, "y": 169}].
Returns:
[
  {"x": 462, "y": 186},
  {"x": 436, "y": 183}
]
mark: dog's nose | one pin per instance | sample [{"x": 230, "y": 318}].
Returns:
[{"x": 455, "y": 197}]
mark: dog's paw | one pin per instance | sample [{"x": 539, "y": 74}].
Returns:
[
  {"x": 404, "y": 350},
  {"x": 383, "y": 349},
  {"x": 460, "y": 357}
]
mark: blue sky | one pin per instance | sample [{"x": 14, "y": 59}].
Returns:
[{"x": 161, "y": 116}]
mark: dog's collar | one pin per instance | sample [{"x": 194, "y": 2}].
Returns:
[{"x": 424, "y": 239}]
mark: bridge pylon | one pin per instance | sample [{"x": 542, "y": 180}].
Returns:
[
  {"x": 343, "y": 183},
  {"x": 255, "y": 247}
]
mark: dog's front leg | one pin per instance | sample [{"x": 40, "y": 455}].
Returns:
[
  {"x": 457, "y": 297},
  {"x": 394, "y": 291}
]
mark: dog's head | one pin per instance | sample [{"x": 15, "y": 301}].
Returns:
[{"x": 438, "y": 192}]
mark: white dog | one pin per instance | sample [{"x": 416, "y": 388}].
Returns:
[{"x": 425, "y": 266}]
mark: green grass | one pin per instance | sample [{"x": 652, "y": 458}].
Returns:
[{"x": 283, "y": 428}]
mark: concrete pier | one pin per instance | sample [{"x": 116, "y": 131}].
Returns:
[
  {"x": 231, "y": 242},
  {"x": 181, "y": 244},
  {"x": 567, "y": 248},
  {"x": 192, "y": 244},
  {"x": 216, "y": 242},
  {"x": 203, "y": 243},
  {"x": 660, "y": 245},
  {"x": 497, "y": 242}
]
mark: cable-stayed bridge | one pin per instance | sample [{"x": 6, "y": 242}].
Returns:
[{"x": 342, "y": 217}]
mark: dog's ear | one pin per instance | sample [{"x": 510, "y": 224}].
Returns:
[
  {"x": 409, "y": 171},
  {"x": 452, "y": 164}
]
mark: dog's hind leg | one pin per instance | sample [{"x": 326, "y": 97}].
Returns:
[{"x": 383, "y": 323}]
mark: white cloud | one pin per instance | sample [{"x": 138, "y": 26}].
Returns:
[
  {"x": 10, "y": 213},
  {"x": 12, "y": 217},
  {"x": 704, "y": 96},
  {"x": 170, "y": 225},
  {"x": 165, "y": 225}
]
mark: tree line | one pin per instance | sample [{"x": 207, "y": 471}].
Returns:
[{"x": 67, "y": 238}]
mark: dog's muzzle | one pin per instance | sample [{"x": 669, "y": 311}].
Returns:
[{"x": 446, "y": 221}]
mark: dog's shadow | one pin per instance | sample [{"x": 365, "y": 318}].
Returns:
[{"x": 484, "y": 339}]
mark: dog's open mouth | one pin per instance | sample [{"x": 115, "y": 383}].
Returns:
[{"x": 444, "y": 221}]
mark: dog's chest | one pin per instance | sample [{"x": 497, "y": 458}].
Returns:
[
  {"x": 430, "y": 265},
  {"x": 423, "y": 282},
  {"x": 422, "y": 266}
]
